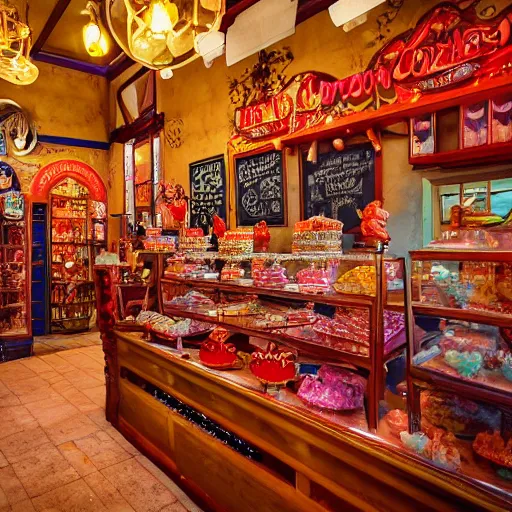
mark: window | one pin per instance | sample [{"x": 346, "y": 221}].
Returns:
[{"x": 493, "y": 195}]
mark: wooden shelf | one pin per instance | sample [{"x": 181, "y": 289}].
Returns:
[
  {"x": 399, "y": 112},
  {"x": 68, "y": 218},
  {"x": 242, "y": 325},
  {"x": 332, "y": 298},
  {"x": 472, "y": 389},
  {"x": 466, "y": 315},
  {"x": 495, "y": 153},
  {"x": 461, "y": 255}
]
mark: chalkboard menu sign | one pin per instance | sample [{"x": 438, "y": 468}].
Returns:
[
  {"x": 339, "y": 183},
  {"x": 207, "y": 191},
  {"x": 260, "y": 188}
]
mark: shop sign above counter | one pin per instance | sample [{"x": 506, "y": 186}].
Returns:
[{"x": 448, "y": 46}]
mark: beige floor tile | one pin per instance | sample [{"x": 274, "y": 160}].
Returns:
[
  {"x": 73, "y": 497},
  {"x": 187, "y": 503},
  {"x": 15, "y": 419},
  {"x": 7, "y": 397},
  {"x": 82, "y": 464},
  {"x": 96, "y": 394},
  {"x": 52, "y": 376},
  {"x": 70, "y": 428},
  {"x": 138, "y": 487},
  {"x": 98, "y": 416},
  {"x": 36, "y": 365},
  {"x": 107, "y": 493},
  {"x": 54, "y": 409},
  {"x": 14, "y": 371},
  {"x": 102, "y": 449},
  {"x": 27, "y": 386},
  {"x": 45, "y": 470},
  {"x": 12, "y": 486},
  {"x": 81, "y": 380},
  {"x": 23, "y": 506},
  {"x": 121, "y": 440},
  {"x": 76, "y": 397},
  {"x": 18, "y": 446},
  {"x": 4, "y": 503},
  {"x": 57, "y": 363},
  {"x": 3, "y": 461},
  {"x": 174, "y": 507}
]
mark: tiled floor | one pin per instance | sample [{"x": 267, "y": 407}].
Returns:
[
  {"x": 57, "y": 451},
  {"x": 58, "y": 342}
]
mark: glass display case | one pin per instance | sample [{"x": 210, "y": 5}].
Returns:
[
  {"x": 460, "y": 393},
  {"x": 338, "y": 318},
  {"x": 13, "y": 266}
]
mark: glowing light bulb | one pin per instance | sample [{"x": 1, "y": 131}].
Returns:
[
  {"x": 160, "y": 19},
  {"x": 95, "y": 41}
]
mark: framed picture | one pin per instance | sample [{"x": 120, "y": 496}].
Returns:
[
  {"x": 475, "y": 124},
  {"x": 207, "y": 191},
  {"x": 501, "y": 119},
  {"x": 260, "y": 188},
  {"x": 422, "y": 135},
  {"x": 3, "y": 143}
]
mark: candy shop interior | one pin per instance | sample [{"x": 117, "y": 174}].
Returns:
[{"x": 295, "y": 239}]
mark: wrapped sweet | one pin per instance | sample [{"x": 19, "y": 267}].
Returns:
[
  {"x": 436, "y": 445},
  {"x": 273, "y": 365},
  {"x": 397, "y": 422},
  {"x": 463, "y": 339},
  {"x": 192, "y": 298},
  {"x": 493, "y": 448},
  {"x": 235, "y": 242},
  {"x": 215, "y": 352},
  {"x": 457, "y": 414},
  {"x": 312, "y": 280},
  {"x": 317, "y": 234},
  {"x": 360, "y": 280},
  {"x": 231, "y": 272},
  {"x": 466, "y": 363},
  {"x": 193, "y": 240},
  {"x": 270, "y": 277},
  {"x": 333, "y": 388}
]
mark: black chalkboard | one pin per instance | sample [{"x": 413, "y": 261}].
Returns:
[
  {"x": 207, "y": 191},
  {"x": 260, "y": 188},
  {"x": 339, "y": 183}
]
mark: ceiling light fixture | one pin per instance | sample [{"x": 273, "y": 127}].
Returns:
[
  {"x": 161, "y": 34},
  {"x": 94, "y": 37},
  {"x": 15, "y": 45}
]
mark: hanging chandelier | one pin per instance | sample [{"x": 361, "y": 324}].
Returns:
[
  {"x": 15, "y": 45},
  {"x": 164, "y": 34}
]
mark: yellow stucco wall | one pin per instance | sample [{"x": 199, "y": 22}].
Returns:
[
  {"x": 199, "y": 97},
  {"x": 64, "y": 102}
]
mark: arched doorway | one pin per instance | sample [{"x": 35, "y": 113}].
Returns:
[{"x": 69, "y": 228}]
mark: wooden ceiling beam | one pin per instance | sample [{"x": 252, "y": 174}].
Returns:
[{"x": 53, "y": 19}]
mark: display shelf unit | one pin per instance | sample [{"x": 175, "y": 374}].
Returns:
[
  {"x": 372, "y": 364},
  {"x": 299, "y": 460},
  {"x": 72, "y": 298},
  {"x": 15, "y": 329},
  {"x": 434, "y": 374}
]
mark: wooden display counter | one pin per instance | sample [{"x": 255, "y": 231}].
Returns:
[{"x": 303, "y": 463}]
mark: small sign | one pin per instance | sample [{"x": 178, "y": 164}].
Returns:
[
  {"x": 260, "y": 189},
  {"x": 207, "y": 192}
]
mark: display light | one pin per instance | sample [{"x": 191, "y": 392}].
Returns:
[
  {"x": 15, "y": 45},
  {"x": 161, "y": 34},
  {"x": 95, "y": 41}
]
